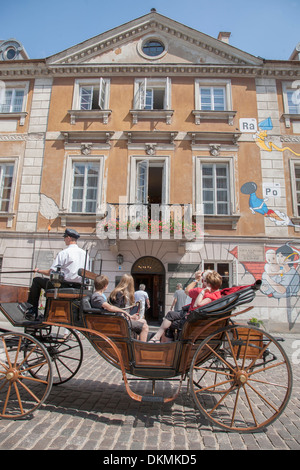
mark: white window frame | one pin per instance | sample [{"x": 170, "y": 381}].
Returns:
[
  {"x": 232, "y": 217},
  {"x": 293, "y": 165},
  {"x": 135, "y": 161},
  {"x": 10, "y": 85},
  {"x": 4, "y": 163},
  {"x": 141, "y": 85},
  {"x": 103, "y": 84},
  {"x": 214, "y": 189},
  {"x": 67, "y": 189},
  {"x": 227, "y": 114},
  {"x": 9, "y": 214},
  {"x": 294, "y": 88}
]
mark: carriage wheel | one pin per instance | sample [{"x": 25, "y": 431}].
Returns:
[
  {"x": 65, "y": 350},
  {"x": 245, "y": 383},
  {"x": 20, "y": 392}
]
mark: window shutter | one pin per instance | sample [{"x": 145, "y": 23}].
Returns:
[
  {"x": 167, "y": 100},
  {"x": 142, "y": 182},
  {"x": 102, "y": 93},
  {"x": 142, "y": 94}
]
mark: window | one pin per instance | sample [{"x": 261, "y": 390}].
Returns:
[
  {"x": 150, "y": 177},
  {"x": 291, "y": 103},
  {"x": 13, "y": 97},
  {"x": 153, "y": 48},
  {"x": 213, "y": 100},
  {"x": 13, "y": 101},
  {"x": 215, "y": 189},
  {"x": 6, "y": 181},
  {"x": 295, "y": 186},
  {"x": 94, "y": 96},
  {"x": 85, "y": 187},
  {"x": 222, "y": 269},
  {"x": 91, "y": 99},
  {"x": 152, "y": 94},
  {"x": 152, "y": 99},
  {"x": 149, "y": 183}
]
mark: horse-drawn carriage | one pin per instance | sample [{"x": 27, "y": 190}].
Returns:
[{"x": 239, "y": 376}]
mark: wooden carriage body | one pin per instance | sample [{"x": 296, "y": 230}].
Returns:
[
  {"x": 228, "y": 358},
  {"x": 146, "y": 360}
]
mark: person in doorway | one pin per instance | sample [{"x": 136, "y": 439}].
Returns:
[
  {"x": 142, "y": 296},
  {"x": 123, "y": 297},
  {"x": 211, "y": 283},
  {"x": 179, "y": 299},
  {"x": 70, "y": 260}
]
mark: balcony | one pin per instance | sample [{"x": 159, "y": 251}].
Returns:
[{"x": 150, "y": 222}]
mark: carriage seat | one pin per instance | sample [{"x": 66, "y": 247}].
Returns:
[
  {"x": 112, "y": 324},
  {"x": 87, "y": 308},
  {"x": 231, "y": 298}
]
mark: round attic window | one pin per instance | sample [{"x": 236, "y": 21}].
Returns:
[
  {"x": 153, "y": 48},
  {"x": 10, "y": 53}
]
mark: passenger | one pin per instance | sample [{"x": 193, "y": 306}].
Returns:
[
  {"x": 123, "y": 296},
  {"x": 211, "y": 282}
]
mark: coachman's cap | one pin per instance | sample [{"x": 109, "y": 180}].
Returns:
[{"x": 69, "y": 232}]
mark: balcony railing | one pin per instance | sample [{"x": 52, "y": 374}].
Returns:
[{"x": 150, "y": 221}]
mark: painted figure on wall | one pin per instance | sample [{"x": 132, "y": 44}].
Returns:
[
  {"x": 258, "y": 205},
  {"x": 261, "y": 138},
  {"x": 280, "y": 277}
]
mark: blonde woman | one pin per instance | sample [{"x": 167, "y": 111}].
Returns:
[{"x": 123, "y": 296}]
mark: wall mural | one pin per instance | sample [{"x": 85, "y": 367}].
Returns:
[
  {"x": 279, "y": 271},
  {"x": 280, "y": 276},
  {"x": 262, "y": 135},
  {"x": 258, "y": 204}
]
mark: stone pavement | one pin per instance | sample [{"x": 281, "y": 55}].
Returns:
[{"x": 94, "y": 412}]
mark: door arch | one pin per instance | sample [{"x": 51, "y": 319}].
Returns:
[{"x": 150, "y": 271}]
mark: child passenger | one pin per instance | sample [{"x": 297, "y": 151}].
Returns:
[
  {"x": 98, "y": 300},
  {"x": 211, "y": 282}
]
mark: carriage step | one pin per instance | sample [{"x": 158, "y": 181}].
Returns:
[{"x": 153, "y": 399}]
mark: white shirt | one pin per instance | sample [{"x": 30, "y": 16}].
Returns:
[
  {"x": 141, "y": 295},
  {"x": 71, "y": 259}
]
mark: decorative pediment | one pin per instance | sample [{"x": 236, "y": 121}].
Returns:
[{"x": 127, "y": 44}]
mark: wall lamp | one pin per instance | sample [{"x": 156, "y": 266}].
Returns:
[{"x": 120, "y": 259}]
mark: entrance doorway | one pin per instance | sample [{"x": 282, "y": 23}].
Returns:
[{"x": 151, "y": 272}]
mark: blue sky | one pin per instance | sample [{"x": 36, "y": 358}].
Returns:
[{"x": 265, "y": 28}]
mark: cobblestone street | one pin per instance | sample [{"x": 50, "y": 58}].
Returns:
[{"x": 94, "y": 412}]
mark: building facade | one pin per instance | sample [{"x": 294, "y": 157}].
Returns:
[{"x": 167, "y": 149}]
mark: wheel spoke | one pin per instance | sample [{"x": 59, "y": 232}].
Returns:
[
  {"x": 255, "y": 374},
  {"x": 20, "y": 392}
]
